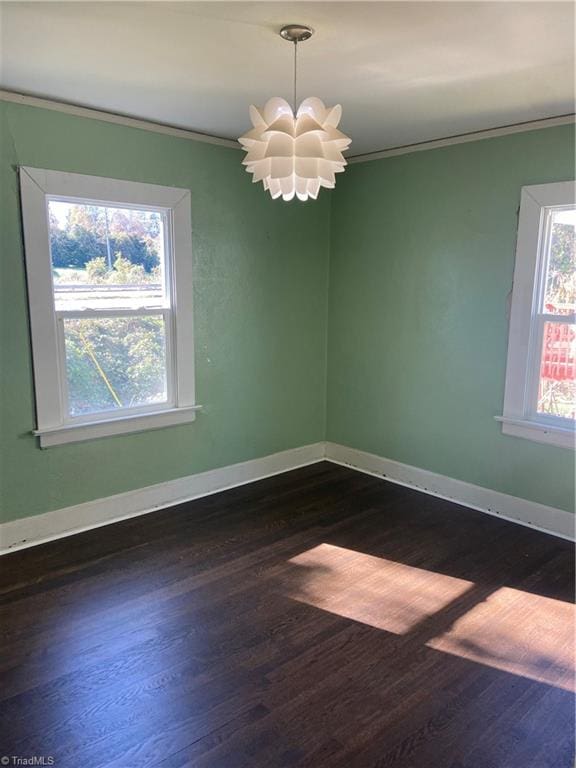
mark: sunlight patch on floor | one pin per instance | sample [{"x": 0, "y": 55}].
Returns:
[
  {"x": 511, "y": 630},
  {"x": 382, "y": 593},
  {"x": 534, "y": 639}
]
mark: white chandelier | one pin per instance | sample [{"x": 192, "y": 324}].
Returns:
[{"x": 294, "y": 152}]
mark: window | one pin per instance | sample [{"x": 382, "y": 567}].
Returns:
[
  {"x": 109, "y": 268},
  {"x": 540, "y": 399}
]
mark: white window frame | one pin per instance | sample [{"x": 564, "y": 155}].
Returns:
[
  {"x": 54, "y": 427},
  {"x": 520, "y": 418}
]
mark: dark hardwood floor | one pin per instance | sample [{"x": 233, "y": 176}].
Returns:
[{"x": 321, "y": 619}]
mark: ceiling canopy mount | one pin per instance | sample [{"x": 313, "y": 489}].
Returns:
[{"x": 296, "y": 33}]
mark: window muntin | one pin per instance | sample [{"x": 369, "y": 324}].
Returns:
[{"x": 109, "y": 271}]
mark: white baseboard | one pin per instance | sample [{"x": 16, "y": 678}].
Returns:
[
  {"x": 528, "y": 513},
  {"x": 29, "y": 531}
]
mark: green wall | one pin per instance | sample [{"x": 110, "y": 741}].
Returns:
[
  {"x": 422, "y": 257},
  {"x": 421, "y": 254},
  {"x": 261, "y": 273}
]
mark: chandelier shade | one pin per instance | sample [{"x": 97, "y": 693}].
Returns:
[{"x": 294, "y": 154}]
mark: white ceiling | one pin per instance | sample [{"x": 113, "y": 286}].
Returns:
[{"x": 403, "y": 71}]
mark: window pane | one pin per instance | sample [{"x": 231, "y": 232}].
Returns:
[
  {"x": 560, "y": 293},
  {"x": 105, "y": 257},
  {"x": 113, "y": 363},
  {"x": 557, "y": 390}
]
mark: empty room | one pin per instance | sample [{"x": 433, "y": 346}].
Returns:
[{"x": 288, "y": 384}]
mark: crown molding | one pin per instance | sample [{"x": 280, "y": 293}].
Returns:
[
  {"x": 113, "y": 117},
  {"x": 463, "y": 138},
  {"x": 183, "y": 133}
]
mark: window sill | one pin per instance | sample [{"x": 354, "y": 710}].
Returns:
[
  {"x": 539, "y": 433},
  {"x": 73, "y": 433}
]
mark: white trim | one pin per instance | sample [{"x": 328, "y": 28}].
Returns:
[
  {"x": 55, "y": 425},
  {"x": 73, "y": 433},
  {"x": 113, "y": 117},
  {"x": 529, "y": 513},
  {"x": 43, "y": 326},
  {"x": 464, "y": 138},
  {"x": 527, "y": 318},
  {"x": 184, "y": 133},
  {"x": 183, "y": 301},
  {"x": 37, "y": 529},
  {"x": 538, "y": 432},
  {"x": 103, "y": 190},
  {"x": 29, "y": 531}
]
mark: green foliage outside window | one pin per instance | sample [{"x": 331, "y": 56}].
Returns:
[
  {"x": 115, "y": 362},
  {"x": 561, "y": 278},
  {"x": 92, "y": 231}
]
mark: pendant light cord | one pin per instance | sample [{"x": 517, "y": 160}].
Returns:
[{"x": 295, "y": 69}]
